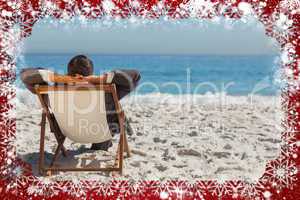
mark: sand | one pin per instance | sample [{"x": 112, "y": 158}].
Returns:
[{"x": 174, "y": 137}]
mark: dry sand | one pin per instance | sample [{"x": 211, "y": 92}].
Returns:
[{"x": 173, "y": 139}]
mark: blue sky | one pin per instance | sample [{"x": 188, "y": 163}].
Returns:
[{"x": 159, "y": 38}]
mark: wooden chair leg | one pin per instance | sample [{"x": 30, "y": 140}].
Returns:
[
  {"x": 121, "y": 153},
  {"x": 59, "y": 137},
  {"x": 122, "y": 139},
  {"x": 57, "y": 151},
  {"x": 42, "y": 144},
  {"x": 126, "y": 146},
  {"x": 63, "y": 149}
]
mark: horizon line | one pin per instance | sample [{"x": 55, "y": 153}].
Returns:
[{"x": 152, "y": 54}]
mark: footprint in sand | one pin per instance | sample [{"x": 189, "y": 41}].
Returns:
[
  {"x": 188, "y": 152},
  {"x": 158, "y": 140},
  {"x": 135, "y": 164},
  {"x": 161, "y": 168},
  {"x": 221, "y": 154}
]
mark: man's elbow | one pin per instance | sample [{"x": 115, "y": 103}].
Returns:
[{"x": 137, "y": 76}]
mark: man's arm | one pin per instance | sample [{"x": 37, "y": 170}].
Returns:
[
  {"x": 56, "y": 78},
  {"x": 96, "y": 79},
  {"x": 78, "y": 78},
  {"x": 127, "y": 78},
  {"x": 31, "y": 76}
]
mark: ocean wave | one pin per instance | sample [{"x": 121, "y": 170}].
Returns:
[
  {"x": 26, "y": 99},
  {"x": 207, "y": 98}
]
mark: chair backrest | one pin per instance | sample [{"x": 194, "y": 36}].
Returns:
[{"x": 80, "y": 110}]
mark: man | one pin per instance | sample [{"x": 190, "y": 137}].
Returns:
[{"x": 82, "y": 67}]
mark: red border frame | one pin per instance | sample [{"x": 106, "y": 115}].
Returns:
[{"x": 16, "y": 179}]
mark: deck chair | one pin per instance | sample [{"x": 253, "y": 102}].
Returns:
[{"x": 89, "y": 103}]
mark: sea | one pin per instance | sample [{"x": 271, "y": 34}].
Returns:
[{"x": 236, "y": 75}]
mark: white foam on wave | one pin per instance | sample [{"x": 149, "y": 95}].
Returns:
[
  {"x": 25, "y": 99},
  {"x": 208, "y": 98}
]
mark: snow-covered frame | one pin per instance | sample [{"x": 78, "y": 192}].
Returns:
[{"x": 282, "y": 22}]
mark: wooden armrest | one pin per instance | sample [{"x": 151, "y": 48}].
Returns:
[{"x": 55, "y": 78}]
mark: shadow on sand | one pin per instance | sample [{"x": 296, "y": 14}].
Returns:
[{"x": 81, "y": 157}]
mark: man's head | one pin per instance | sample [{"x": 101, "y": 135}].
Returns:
[{"x": 81, "y": 65}]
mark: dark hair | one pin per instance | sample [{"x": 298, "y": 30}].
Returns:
[{"x": 80, "y": 64}]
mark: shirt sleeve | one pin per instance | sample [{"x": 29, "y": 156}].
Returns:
[{"x": 32, "y": 76}]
